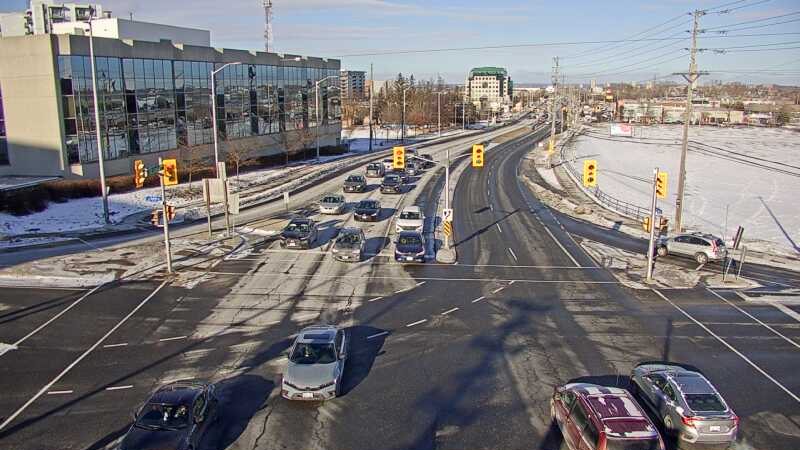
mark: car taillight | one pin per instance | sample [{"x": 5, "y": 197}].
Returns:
[
  {"x": 713, "y": 247},
  {"x": 735, "y": 419},
  {"x": 689, "y": 421}
]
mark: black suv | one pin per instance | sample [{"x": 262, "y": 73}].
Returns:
[
  {"x": 300, "y": 233},
  {"x": 367, "y": 210},
  {"x": 392, "y": 184}
]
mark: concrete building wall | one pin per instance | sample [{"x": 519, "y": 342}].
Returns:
[
  {"x": 31, "y": 103},
  {"x": 12, "y": 24},
  {"x": 117, "y": 28}
]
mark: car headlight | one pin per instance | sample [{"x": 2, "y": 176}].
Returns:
[
  {"x": 356, "y": 251},
  {"x": 335, "y": 250},
  {"x": 329, "y": 384},
  {"x": 422, "y": 253}
]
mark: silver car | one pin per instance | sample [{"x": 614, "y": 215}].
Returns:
[
  {"x": 332, "y": 204},
  {"x": 702, "y": 247},
  {"x": 687, "y": 403},
  {"x": 349, "y": 245},
  {"x": 316, "y": 364}
]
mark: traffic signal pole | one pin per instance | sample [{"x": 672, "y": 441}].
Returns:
[
  {"x": 651, "y": 247},
  {"x": 165, "y": 216},
  {"x": 447, "y": 193}
]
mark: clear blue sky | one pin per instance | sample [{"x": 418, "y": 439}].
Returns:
[{"x": 343, "y": 27}]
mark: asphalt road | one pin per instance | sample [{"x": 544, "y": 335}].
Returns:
[{"x": 446, "y": 357}]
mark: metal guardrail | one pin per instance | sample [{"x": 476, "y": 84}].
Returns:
[{"x": 604, "y": 199}]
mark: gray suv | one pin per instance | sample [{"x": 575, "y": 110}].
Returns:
[
  {"x": 687, "y": 403},
  {"x": 316, "y": 364},
  {"x": 702, "y": 247}
]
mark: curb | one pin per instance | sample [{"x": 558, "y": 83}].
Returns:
[{"x": 53, "y": 282}]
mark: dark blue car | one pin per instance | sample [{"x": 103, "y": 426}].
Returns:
[{"x": 409, "y": 247}]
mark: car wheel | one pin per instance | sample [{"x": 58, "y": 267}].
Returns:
[
  {"x": 701, "y": 258},
  {"x": 662, "y": 251},
  {"x": 669, "y": 427}
]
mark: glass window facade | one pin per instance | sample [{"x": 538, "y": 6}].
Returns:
[
  {"x": 3, "y": 138},
  {"x": 151, "y": 105}
]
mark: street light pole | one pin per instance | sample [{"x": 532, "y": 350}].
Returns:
[
  {"x": 214, "y": 112},
  {"x": 98, "y": 136},
  {"x": 316, "y": 103}
]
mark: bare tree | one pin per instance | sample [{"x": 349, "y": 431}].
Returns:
[
  {"x": 192, "y": 162},
  {"x": 238, "y": 151}
]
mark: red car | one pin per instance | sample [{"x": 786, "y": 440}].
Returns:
[{"x": 593, "y": 417}]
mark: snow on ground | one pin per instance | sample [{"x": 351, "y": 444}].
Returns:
[
  {"x": 762, "y": 200},
  {"x": 357, "y": 138}
]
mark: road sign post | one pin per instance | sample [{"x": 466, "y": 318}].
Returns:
[
  {"x": 222, "y": 174},
  {"x": 207, "y": 199},
  {"x": 165, "y": 215},
  {"x": 651, "y": 245}
]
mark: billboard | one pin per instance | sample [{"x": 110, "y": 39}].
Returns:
[{"x": 620, "y": 129}]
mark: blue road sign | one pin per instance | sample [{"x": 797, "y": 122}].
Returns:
[{"x": 153, "y": 198}]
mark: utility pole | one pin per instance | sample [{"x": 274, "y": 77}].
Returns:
[
  {"x": 371, "y": 92},
  {"x": 552, "y": 143},
  {"x": 651, "y": 246},
  {"x": 691, "y": 78},
  {"x": 165, "y": 215}
]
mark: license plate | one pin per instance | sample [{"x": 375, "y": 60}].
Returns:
[
  {"x": 292, "y": 244},
  {"x": 409, "y": 258},
  {"x": 714, "y": 428},
  {"x": 308, "y": 395}
]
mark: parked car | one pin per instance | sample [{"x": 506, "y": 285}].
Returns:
[
  {"x": 392, "y": 184},
  {"x": 316, "y": 364},
  {"x": 367, "y": 210},
  {"x": 410, "y": 219},
  {"x": 349, "y": 245},
  {"x": 299, "y": 233},
  {"x": 375, "y": 170},
  {"x": 388, "y": 163},
  {"x": 355, "y": 183},
  {"x": 602, "y": 418},
  {"x": 702, "y": 247},
  {"x": 687, "y": 403},
  {"x": 332, "y": 204},
  {"x": 412, "y": 168},
  {"x": 428, "y": 160},
  {"x": 409, "y": 247},
  {"x": 175, "y": 416}
]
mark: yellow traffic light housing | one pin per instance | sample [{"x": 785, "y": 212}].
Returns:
[
  {"x": 170, "y": 168},
  {"x": 590, "y": 172},
  {"x": 477, "y": 155},
  {"x": 646, "y": 223},
  {"x": 399, "y": 158},
  {"x": 661, "y": 185},
  {"x": 170, "y": 212},
  {"x": 139, "y": 173}
]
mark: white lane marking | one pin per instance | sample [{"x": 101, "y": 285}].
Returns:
[
  {"x": 52, "y": 319},
  {"x": 451, "y": 311},
  {"x": 416, "y": 323},
  {"x": 80, "y": 358},
  {"x": 498, "y": 228},
  {"x": 493, "y": 280},
  {"x": 513, "y": 254},
  {"x": 563, "y": 249},
  {"x": 374, "y": 299},
  {"x": 512, "y": 282},
  {"x": 786, "y": 310},
  {"x": 699, "y": 267},
  {"x": 478, "y": 299},
  {"x": 172, "y": 338},
  {"x": 382, "y": 333},
  {"x": 122, "y": 344},
  {"x": 730, "y": 347},
  {"x": 117, "y": 388},
  {"x": 498, "y": 290},
  {"x": 6, "y": 348},
  {"x": 421, "y": 283},
  {"x": 59, "y": 392},
  {"x": 751, "y": 316}
]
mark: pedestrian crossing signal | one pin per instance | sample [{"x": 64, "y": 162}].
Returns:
[
  {"x": 477, "y": 155},
  {"x": 590, "y": 173},
  {"x": 399, "y": 158}
]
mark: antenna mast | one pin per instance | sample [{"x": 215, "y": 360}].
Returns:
[{"x": 268, "y": 25}]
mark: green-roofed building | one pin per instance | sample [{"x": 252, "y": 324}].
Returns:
[{"x": 489, "y": 88}]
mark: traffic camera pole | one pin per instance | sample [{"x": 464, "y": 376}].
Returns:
[
  {"x": 651, "y": 246},
  {"x": 447, "y": 194},
  {"x": 165, "y": 215}
]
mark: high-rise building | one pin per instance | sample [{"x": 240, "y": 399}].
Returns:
[
  {"x": 42, "y": 16},
  {"x": 353, "y": 83},
  {"x": 489, "y": 88},
  {"x": 156, "y": 102}
]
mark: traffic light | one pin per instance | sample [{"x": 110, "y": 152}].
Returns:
[
  {"x": 399, "y": 158},
  {"x": 646, "y": 223},
  {"x": 170, "y": 168},
  {"x": 661, "y": 185},
  {"x": 139, "y": 173},
  {"x": 477, "y": 155},
  {"x": 590, "y": 172},
  {"x": 170, "y": 212},
  {"x": 155, "y": 218}
]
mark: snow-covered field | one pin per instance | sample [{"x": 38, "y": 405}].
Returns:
[
  {"x": 357, "y": 138},
  {"x": 721, "y": 194}
]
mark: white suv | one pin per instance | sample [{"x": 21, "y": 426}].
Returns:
[{"x": 410, "y": 219}]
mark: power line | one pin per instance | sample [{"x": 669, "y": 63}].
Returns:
[
  {"x": 635, "y": 63},
  {"x": 626, "y": 54},
  {"x": 756, "y": 26},
  {"x": 728, "y": 10},
  {"x": 725, "y": 5},
  {"x": 747, "y": 22}
]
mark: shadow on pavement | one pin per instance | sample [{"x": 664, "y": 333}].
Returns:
[
  {"x": 362, "y": 355},
  {"x": 240, "y": 398}
]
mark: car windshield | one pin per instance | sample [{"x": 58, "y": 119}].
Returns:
[
  {"x": 367, "y": 204},
  {"x": 298, "y": 227},
  {"x": 331, "y": 199},
  {"x": 349, "y": 238},
  {"x": 631, "y": 444},
  {"x": 374, "y": 167},
  {"x": 163, "y": 416},
  {"x": 409, "y": 240},
  {"x": 704, "y": 402},
  {"x": 354, "y": 178},
  {"x": 410, "y": 215},
  {"x": 313, "y": 353},
  {"x": 390, "y": 180}
]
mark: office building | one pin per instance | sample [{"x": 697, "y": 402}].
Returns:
[
  {"x": 353, "y": 83},
  {"x": 42, "y": 16},
  {"x": 489, "y": 88},
  {"x": 156, "y": 102}
]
